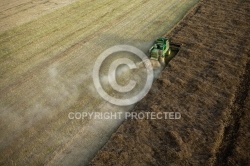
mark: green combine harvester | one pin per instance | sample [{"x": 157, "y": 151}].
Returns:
[{"x": 163, "y": 50}]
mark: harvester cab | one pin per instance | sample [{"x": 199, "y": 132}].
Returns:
[{"x": 163, "y": 50}]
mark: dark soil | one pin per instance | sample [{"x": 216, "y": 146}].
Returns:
[{"x": 208, "y": 83}]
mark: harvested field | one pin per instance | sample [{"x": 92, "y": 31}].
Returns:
[
  {"x": 46, "y": 62},
  {"x": 208, "y": 83},
  {"x": 14, "y": 13}
]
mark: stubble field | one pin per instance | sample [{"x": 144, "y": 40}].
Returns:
[{"x": 46, "y": 61}]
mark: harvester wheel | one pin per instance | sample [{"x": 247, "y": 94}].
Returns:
[
  {"x": 169, "y": 52},
  {"x": 162, "y": 60}
]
